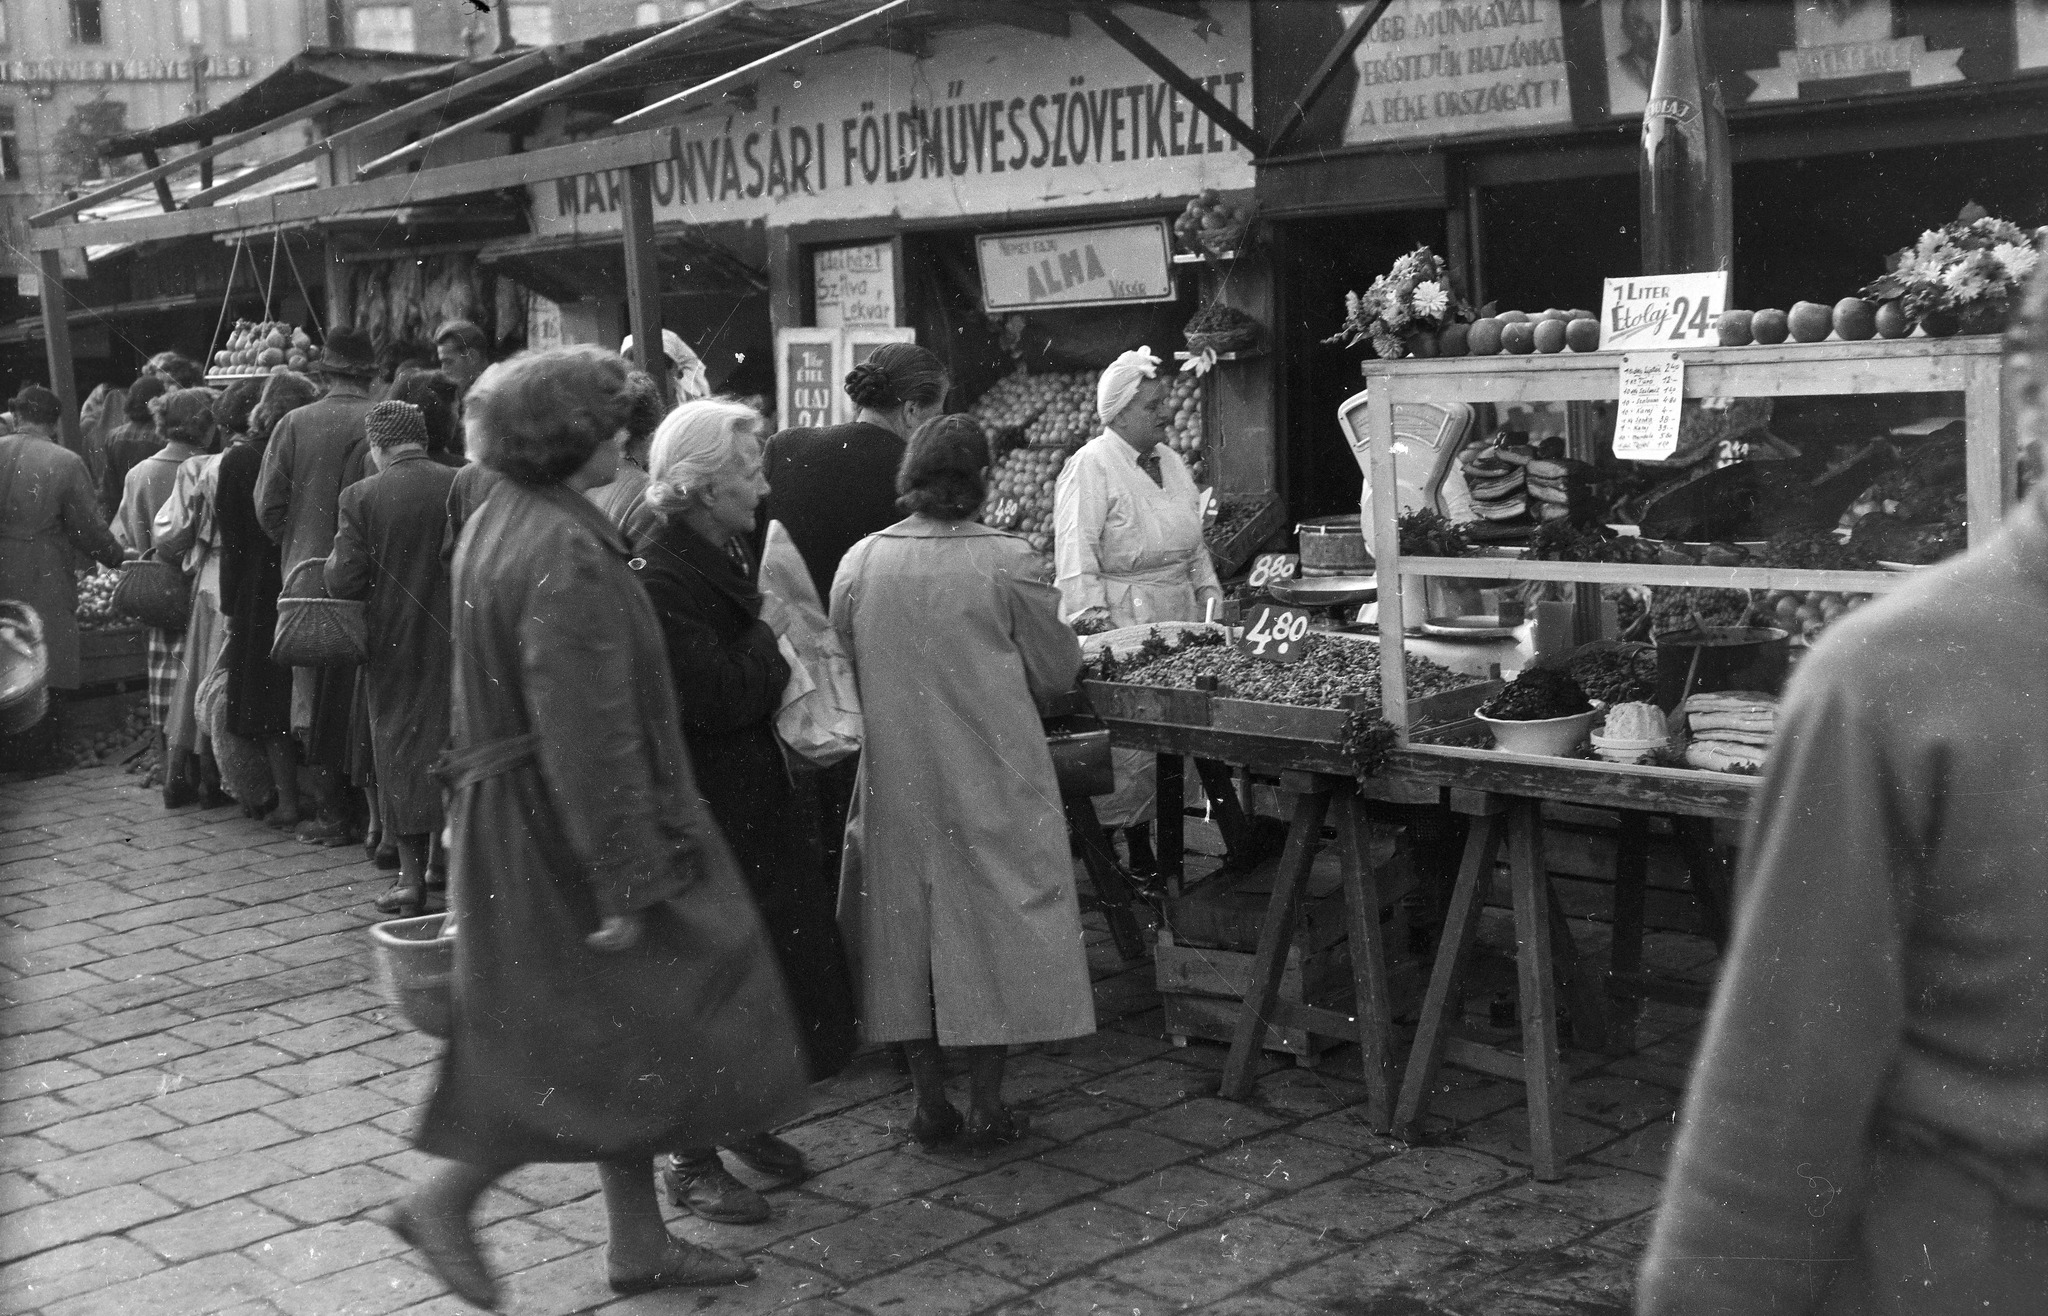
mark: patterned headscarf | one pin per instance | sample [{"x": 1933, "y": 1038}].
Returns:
[{"x": 395, "y": 424}]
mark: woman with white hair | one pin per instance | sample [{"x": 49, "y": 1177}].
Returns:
[
  {"x": 1128, "y": 548},
  {"x": 704, "y": 482}
]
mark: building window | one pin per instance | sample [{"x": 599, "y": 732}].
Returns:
[
  {"x": 646, "y": 15},
  {"x": 10, "y": 152},
  {"x": 188, "y": 22},
  {"x": 86, "y": 28},
  {"x": 238, "y": 20},
  {"x": 533, "y": 25},
  {"x": 384, "y": 27}
]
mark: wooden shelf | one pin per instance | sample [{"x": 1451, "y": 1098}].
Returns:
[
  {"x": 1249, "y": 354},
  {"x": 1624, "y": 573},
  {"x": 1195, "y": 258}
]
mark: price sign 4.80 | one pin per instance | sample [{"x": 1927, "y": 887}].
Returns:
[{"x": 1276, "y": 635}]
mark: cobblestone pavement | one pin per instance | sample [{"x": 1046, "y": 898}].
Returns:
[{"x": 204, "y": 1101}]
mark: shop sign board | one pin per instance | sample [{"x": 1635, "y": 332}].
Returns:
[
  {"x": 543, "y": 323},
  {"x": 1063, "y": 268},
  {"x": 992, "y": 120},
  {"x": 1439, "y": 68},
  {"x": 1662, "y": 310},
  {"x": 854, "y": 287}
]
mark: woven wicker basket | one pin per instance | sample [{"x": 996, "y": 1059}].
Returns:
[
  {"x": 155, "y": 594},
  {"x": 24, "y": 668},
  {"x": 316, "y": 631},
  {"x": 416, "y": 969}
]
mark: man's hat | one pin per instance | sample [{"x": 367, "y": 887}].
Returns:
[{"x": 347, "y": 352}]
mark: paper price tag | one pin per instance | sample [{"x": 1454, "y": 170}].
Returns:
[
  {"x": 1651, "y": 396},
  {"x": 1662, "y": 311},
  {"x": 1275, "y": 635},
  {"x": 1269, "y": 567}
]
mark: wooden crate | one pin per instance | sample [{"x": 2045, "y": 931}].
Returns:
[
  {"x": 1201, "y": 989},
  {"x": 108, "y": 657},
  {"x": 1233, "y": 551}
]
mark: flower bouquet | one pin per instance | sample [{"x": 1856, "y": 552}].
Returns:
[
  {"x": 1962, "y": 275},
  {"x": 1405, "y": 309}
]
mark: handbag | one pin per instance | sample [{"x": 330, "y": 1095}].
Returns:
[
  {"x": 154, "y": 593},
  {"x": 820, "y": 718},
  {"x": 316, "y": 631}
]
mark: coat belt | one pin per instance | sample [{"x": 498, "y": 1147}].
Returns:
[{"x": 462, "y": 768}]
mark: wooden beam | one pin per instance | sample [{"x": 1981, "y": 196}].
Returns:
[
  {"x": 643, "y": 275},
  {"x": 1319, "y": 81},
  {"x": 549, "y": 93},
  {"x": 1176, "y": 77},
  {"x": 428, "y": 185},
  {"x": 157, "y": 172},
  {"x": 1013, "y": 13},
  {"x": 393, "y": 118},
  {"x": 163, "y": 188},
  {"x": 57, "y": 348},
  {"x": 669, "y": 106}
]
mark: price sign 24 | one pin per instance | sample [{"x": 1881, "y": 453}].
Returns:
[{"x": 1276, "y": 635}]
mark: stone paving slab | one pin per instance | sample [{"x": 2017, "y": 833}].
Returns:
[{"x": 204, "y": 1103}]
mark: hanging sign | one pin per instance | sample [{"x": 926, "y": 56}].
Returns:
[
  {"x": 854, "y": 287},
  {"x": 1662, "y": 310},
  {"x": 1652, "y": 395},
  {"x": 807, "y": 375},
  {"x": 1059, "y": 268},
  {"x": 1438, "y": 68}
]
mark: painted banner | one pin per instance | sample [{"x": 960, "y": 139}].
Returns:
[
  {"x": 1077, "y": 267},
  {"x": 1434, "y": 68},
  {"x": 993, "y": 120}
]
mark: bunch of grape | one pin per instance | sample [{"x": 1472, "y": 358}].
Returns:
[
  {"x": 96, "y": 600},
  {"x": 1020, "y": 493},
  {"x": 1329, "y": 673}
]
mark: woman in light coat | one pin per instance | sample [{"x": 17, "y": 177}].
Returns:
[
  {"x": 1128, "y": 548},
  {"x": 957, "y": 894}
]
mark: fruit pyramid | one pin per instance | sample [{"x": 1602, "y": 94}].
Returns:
[{"x": 1020, "y": 493}]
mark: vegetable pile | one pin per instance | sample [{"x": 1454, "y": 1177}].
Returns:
[
  {"x": 96, "y": 601},
  {"x": 1425, "y": 533},
  {"x": 1536, "y": 694},
  {"x": 1579, "y": 541},
  {"x": 1330, "y": 673},
  {"x": 1615, "y": 675}
]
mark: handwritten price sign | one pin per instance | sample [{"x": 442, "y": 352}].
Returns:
[
  {"x": 1275, "y": 635},
  {"x": 1269, "y": 567},
  {"x": 1662, "y": 311}
]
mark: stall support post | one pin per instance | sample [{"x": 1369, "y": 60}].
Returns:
[
  {"x": 643, "y": 275},
  {"x": 340, "y": 313},
  {"x": 57, "y": 347}
]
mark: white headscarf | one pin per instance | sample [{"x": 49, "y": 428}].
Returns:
[
  {"x": 1121, "y": 382},
  {"x": 692, "y": 380}
]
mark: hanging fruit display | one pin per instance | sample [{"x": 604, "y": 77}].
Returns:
[{"x": 256, "y": 348}]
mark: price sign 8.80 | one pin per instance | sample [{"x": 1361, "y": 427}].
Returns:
[
  {"x": 1269, "y": 567},
  {"x": 1276, "y": 635}
]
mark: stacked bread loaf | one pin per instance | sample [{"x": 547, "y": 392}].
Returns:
[
  {"x": 1559, "y": 488},
  {"x": 1498, "y": 479},
  {"x": 1731, "y": 730}
]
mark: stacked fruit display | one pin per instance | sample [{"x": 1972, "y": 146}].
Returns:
[
  {"x": 96, "y": 601},
  {"x": 1051, "y": 409},
  {"x": 1184, "y": 431},
  {"x": 261, "y": 347},
  {"x": 1020, "y": 493}
]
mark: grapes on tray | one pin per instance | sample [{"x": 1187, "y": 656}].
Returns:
[{"x": 1331, "y": 671}]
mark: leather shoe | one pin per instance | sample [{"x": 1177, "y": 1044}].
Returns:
[
  {"x": 764, "y": 1153},
  {"x": 450, "y": 1250},
  {"x": 935, "y": 1130},
  {"x": 708, "y": 1189},
  {"x": 685, "y": 1265}
]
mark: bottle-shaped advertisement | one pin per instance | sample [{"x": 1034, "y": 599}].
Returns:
[{"x": 1687, "y": 203}]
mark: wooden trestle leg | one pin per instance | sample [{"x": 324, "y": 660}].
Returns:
[{"x": 1112, "y": 889}]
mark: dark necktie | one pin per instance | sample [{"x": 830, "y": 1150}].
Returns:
[{"x": 1149, "y": 463}]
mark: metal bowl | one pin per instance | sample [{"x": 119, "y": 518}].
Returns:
[{"x": 1325, "y": 591}]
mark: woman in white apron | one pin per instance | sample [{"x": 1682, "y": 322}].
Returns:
[{"x": 1128, "y": 548}]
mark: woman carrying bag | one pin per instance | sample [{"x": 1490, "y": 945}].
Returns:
[
  {"x": 614, "y": 993},
  {"x": 729, "y": 676}
]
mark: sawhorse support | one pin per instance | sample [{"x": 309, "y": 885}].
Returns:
[
  {"x": 1546, "y": 958},
  {"x": 1318, "y": 797},
  {"x": 1113, "y": 889}
]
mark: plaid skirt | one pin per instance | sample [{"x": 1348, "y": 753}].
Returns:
[{"x": 166, "y": 664}]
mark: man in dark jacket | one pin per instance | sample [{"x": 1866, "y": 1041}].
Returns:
[
  {"x": 315, "y": 453},
  {"x": 388, "y": 551}
]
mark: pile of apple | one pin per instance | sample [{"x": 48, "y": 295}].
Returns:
[
  {"x": 261, "y": 347},
  {"x": 1521, "y": 333},
  {"x": 1020, "y": 493},
  {"x": 1184, "y": 431},
  {"x": 1851, "y": 319},
  {"x": 1048, "y": 409}
]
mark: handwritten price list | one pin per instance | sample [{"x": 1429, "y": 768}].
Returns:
[{"x": 1651, "y": 397}]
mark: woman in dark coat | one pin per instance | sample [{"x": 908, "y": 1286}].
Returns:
[
  {"x": 387, "y": 550},
  {"x": 705, "y": 482},
  {"x": 614, "y": 993},
  {"x": 259, "y": 690}
]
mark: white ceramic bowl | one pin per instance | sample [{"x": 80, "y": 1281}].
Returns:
[{"x": 1551, "y": 737}]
